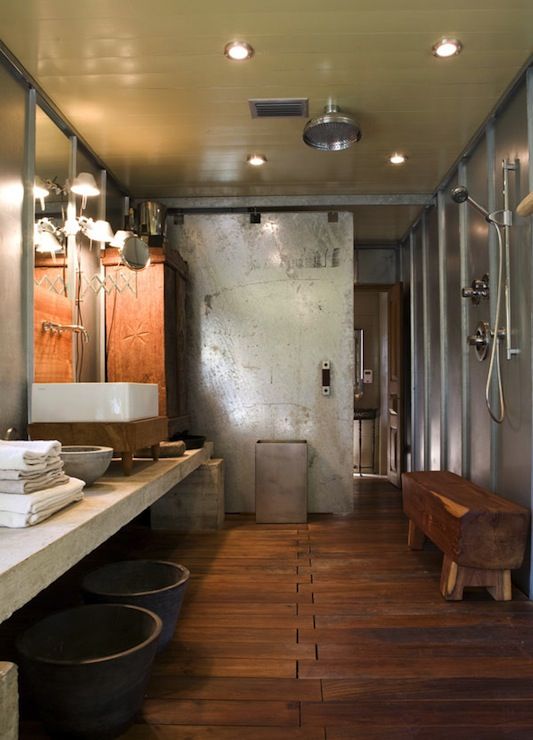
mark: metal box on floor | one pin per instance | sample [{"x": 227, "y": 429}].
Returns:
[{"x": 281, "y": 481}]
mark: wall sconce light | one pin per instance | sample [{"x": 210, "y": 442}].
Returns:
[
  {"x": 120, "y": 237},
  {"x": 47, "y": 237},
  {"x": 96, "y": 231},
  {"x": 85, "y": 185},
  {"x": 40, "y": 191}
]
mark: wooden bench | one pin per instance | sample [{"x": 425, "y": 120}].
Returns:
[{"x": 482, "y": 535}]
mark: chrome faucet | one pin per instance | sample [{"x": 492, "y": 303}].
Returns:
[{"x": 54, "y": 328}]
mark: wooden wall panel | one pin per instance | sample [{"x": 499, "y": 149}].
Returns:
[{"x": 52, "y": 352}]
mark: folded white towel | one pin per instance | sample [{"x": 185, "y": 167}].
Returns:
[
  {"x": 41, "y": 501},
  {"x": 40, "y": 483},
  {"x": 27, "y": 456},
  {"x": 14, "y": 520},
  {"x": 53, "y": 464},
  {"x": 34, "y": 448}
]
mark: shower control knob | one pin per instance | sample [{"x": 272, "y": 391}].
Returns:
[
  {"x": 480, "y": 340},
  {"x": 479, "y": 288}
]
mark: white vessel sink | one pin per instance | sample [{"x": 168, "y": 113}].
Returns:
[{"x": 93, "y": 401}]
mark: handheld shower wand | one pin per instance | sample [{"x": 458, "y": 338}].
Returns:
[{"x": 460, "y": 194}]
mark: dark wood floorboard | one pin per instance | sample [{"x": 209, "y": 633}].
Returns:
[{"x": 326, "y": 631}]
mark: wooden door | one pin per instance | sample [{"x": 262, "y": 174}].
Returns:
[{"x": 394, "y": 398}]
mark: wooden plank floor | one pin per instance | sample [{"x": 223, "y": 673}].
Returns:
[{"x": 327, "y": 630}]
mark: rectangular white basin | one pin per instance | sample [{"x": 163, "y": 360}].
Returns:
[{"x": 93, "y": 401}]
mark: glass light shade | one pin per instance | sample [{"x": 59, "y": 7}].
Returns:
[
  {"x": 39, "y": 188},
  {"x": 120, "y": 237},
  {"x": 85, "y": 184},
  {"x": 99, "y": 231},
  {"x": 47, "y": 242},
  {"x": 40, "y": 191}
]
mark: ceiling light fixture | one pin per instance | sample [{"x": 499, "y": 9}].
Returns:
[
  {"x": 397, "y": 158},
  {"x": 447, "y": 48},
  {"x": 256, "y": 160},
  {"x": 238, "y": 51}
]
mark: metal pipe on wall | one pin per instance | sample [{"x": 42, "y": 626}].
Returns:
[
  {"x": 427, "y": 341},
  {"x": 415, "y": 455},
  {"x": 529, "y": 96},
  {"x": 28, "y": 251},
  {"x": 465, "y": 327},
  {"x": 443, "y": 309}
]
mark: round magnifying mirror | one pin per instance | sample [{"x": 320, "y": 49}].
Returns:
[{"x": 135, "y": 253}]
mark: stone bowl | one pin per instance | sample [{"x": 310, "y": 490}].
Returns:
[
  {"x": 86, "y": 462},
  {"x": 156, "y": 585},
  {"x": 86, "y": 668}
]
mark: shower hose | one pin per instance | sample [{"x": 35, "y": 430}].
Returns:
[{"x": 495, "y": 349}]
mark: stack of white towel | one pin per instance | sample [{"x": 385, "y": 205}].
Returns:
[{"x": 32, "y": 482}]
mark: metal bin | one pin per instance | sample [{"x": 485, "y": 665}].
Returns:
[{"x": 281, "y": 481}]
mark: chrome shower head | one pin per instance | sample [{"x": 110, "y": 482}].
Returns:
[
  {"x": 332, "y": 131},
  {"x": 460, "y": 194}
]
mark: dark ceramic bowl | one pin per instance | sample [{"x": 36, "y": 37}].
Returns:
[
  {"x": 152, "y": 584},
  {"x": 87, "y": 668}
]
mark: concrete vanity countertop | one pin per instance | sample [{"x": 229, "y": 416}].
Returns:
[{"x": 31, "y": 559}]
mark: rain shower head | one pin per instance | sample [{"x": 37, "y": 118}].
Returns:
[
  {"x": 332, "y": 131},
  {"x": 460, "y": 194}
]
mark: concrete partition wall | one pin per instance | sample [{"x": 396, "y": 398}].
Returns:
[
  {"x": 268, "y": 304},
  {"x": 498, "y": 456}
]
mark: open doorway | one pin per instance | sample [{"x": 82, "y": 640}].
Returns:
[{"x": 377, "y": 384}]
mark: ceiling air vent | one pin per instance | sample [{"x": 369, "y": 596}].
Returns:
[{"x": 279, "y": 107}]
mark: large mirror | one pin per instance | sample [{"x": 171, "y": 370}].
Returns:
[{"x": 53, "y": 353}]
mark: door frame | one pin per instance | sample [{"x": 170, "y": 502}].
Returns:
[{"x": 388, "y": 288}]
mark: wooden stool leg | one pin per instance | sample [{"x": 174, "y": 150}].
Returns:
[
  {"x": 127, "y": 463},
  {"x": 451, "y": 585},
  {"x": 155, "y": 451},
  {"x": 454, "y": 578},
  {"x": 415, "y": 537},
  {"x": 502, "y": 589}
]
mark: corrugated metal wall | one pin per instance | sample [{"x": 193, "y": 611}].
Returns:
[{"x": 448, "y": 247}]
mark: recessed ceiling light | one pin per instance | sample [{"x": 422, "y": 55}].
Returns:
[
  {"x": 238, "y": 51},
  {"x": 397, "y": 158},
  {"x": 447, "y": 48},
  {"x": 256, "y": 160}
]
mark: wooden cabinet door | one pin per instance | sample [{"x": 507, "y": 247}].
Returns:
[{"x": 135, "y": 337}]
